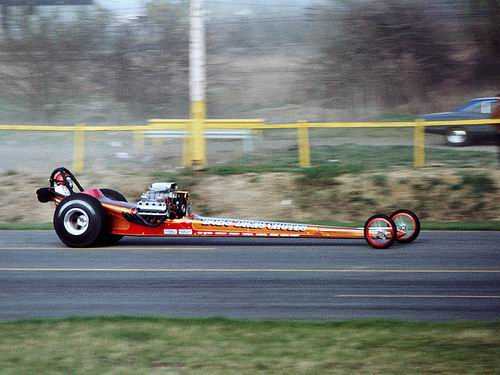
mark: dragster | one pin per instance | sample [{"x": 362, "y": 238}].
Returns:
[{"x": 102, "y": 217}]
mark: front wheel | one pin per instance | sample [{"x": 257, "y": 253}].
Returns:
[
  {"x": 380, "y": 231},
  {"x": 79, "y": 220},
  {"x": 457, "y": 137},
  {"x": 407, "y": 225}
]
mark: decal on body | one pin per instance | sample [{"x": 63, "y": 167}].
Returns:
[
  {"x": 252, "y": 224},
  {"x": 178, "y": 232}
]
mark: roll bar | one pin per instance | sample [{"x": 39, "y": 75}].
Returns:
[{"x": 67, "y": 173}]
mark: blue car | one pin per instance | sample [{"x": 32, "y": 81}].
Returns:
[{"x": 476, "y": 109}]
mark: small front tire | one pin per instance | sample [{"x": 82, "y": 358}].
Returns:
[
  {"x": 407, "y": 222},
  {"x": 380, "y": 231}
]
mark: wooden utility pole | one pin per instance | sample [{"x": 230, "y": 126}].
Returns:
[{"x": 197, "y": 78}]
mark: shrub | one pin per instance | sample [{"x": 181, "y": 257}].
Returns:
[
  {"x": 479, "y": 184},
  {"x": 380, "y": 180}
]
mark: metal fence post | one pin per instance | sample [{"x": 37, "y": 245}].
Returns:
[
  {"x": 303, "y": 141},
  {"x": 198, "y": 116},
  {"x": 79, "y": 148},
  {"x": 419, "y": 144}
]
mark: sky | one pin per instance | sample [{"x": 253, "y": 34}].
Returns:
[{"x": 125, "y": 7}]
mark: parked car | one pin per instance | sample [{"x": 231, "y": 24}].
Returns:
[{"x": 476, "y": 109}]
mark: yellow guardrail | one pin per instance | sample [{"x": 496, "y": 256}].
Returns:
[{"x": 190, "y": 143}]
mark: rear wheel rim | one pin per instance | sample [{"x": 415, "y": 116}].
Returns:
[
  {"x": 380, "y": 232},
  {"x": 76, "y": 221},
  {"x": 405, "y": 224}
]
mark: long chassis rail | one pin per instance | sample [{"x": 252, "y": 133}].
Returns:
[{"x": 198, "y": 226}]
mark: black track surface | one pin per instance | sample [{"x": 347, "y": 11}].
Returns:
[{"x": 441, "y": 276}]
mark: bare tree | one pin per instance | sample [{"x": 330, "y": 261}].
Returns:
[
  {"x": 384, "y": 53},
  {"x": 53, "y": 63}
]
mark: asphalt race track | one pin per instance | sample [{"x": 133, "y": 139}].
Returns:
[{"x": 443, "y": 275}]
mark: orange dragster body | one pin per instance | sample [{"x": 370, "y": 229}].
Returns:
[{"x": 93, "y": 217}]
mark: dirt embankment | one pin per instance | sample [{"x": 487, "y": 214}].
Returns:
[
  {"x": 444, "y": 195},
  {"x": 435, "y": 194},
  {"x": 19, "y": 204}
]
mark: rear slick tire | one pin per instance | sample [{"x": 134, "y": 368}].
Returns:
[
  {"x": 79, "y": 220},
  {"x": 107, "y": 238},
  {"x": 113, "y": 194},
  {"x": 380, "y": 231}
]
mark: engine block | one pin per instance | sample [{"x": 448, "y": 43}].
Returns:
[{"x": 163, "y": 201}]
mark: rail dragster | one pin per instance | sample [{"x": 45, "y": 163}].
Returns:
[{"x": 100, "y": 217}]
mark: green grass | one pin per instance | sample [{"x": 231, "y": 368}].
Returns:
[
  {"x": 225, "y": 170},
  {"x": 332, "y": 161},
  {"x": 25, "y": 226},
  {"x": 351, "y": 158},
  {"x": 356, "y": 133},
  {"x": 385, "y": 157},
  {"x": 219, "y": 346},
  {"x": 468, "y": 225}
]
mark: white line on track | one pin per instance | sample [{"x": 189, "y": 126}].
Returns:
[
  {"x": 245, "y": 270},
  {"x": 415, "y": 296},
  {"x": 152, "y": 248}
]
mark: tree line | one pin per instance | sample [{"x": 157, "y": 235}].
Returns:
[
  {"x": 385, "y": 54},
  {"x": 389, "y": 53}
]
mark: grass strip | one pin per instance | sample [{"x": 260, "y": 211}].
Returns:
[
  {"x": 26, "y": 226},
  {"x": 467, "y": 225},
  {"x": 129, "y": 345},
  {"x": 331, "y": 161},
  {"x": 354, "y": 159}
]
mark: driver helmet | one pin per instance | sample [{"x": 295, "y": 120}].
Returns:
[
  {"x": 59, "y": 178},
  {"x": 60, "y": 182}
]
